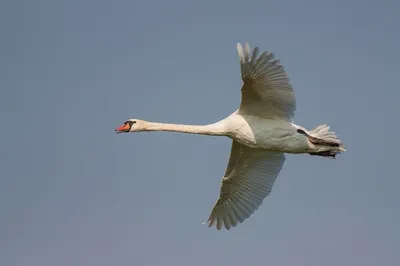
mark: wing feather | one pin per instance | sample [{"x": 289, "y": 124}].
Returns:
[
  {"x": 266, "y": 91},
  {"x": 248, "y": 180}
]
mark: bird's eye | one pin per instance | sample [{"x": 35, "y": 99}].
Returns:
[
  {"x": 300, "y": 131},
  {"x": 130, "y": 122}
]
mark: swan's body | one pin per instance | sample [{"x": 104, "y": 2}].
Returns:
[
  {"x": 262, "y": 132},
  {"x": 265, "y": 133}
]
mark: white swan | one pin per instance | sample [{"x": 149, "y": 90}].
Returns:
[{"x": 261, "y": 130}]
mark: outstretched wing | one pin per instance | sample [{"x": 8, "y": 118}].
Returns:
[
  {"x": 266, "y": 91},
  {"x": 248, "y": 179}
]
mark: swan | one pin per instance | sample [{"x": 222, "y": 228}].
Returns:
[{"x": 262, "y": 131}]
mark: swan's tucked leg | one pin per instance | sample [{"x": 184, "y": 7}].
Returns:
[
  {"x": 329, "y": 154},
  {"x": 317, "y": 141}
]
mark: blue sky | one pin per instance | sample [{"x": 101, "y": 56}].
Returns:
[{"x": 74, "y": 193}]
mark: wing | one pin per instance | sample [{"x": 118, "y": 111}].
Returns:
[
  {"x": 248, "y": 179},
  {"x": 266, "y": 91}
]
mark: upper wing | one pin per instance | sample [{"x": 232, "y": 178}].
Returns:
[
  {"x": 248, "y": 179},
  {"x": 266, "y": 91}
]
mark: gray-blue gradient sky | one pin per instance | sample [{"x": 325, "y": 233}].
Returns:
[{"x": 74, "y": 193}]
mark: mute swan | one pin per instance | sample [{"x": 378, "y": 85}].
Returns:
[{"x": 262, "y": 132}]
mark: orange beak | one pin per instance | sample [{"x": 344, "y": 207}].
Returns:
[{"x": 124, "y": 128}]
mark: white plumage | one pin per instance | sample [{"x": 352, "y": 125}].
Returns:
[
  {"x": 261, "y": 131},
  {"x": 247, "y": 181}
]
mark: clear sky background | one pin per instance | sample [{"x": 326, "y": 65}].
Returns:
[{"x": 72, "y": 192}]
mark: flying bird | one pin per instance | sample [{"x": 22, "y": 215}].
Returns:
[{"x": 262, "y": 131}]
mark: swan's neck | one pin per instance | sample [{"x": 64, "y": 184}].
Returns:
[{"x": 216, "y": 129}]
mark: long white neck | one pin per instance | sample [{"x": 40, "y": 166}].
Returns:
[{"x": 216, "y": 129}]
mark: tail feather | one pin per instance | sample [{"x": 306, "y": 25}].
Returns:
[
  {"x": 321, "y": 136},
  {"x": 322, "y": 132}
]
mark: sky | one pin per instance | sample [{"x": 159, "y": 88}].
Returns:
[{"x": 72, "y": 192}]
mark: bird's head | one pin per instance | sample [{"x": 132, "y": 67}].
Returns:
[{"x": 131, "y": 125}]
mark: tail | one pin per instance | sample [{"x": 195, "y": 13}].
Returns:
[{"x": 321, "y": 136}]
